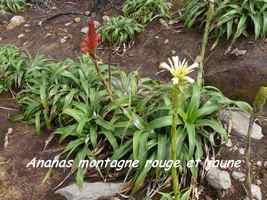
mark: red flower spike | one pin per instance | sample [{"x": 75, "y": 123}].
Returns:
[{"x": 91, "y": 40}]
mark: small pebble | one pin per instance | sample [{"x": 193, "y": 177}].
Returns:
[
  {"x": 27, "y": 30},
  {"x": 68, "y": 24},
  {"x": 27, "y": 25},
  {"x": 258, "y": 182},
  {"x": 173, "y": 52},
  {"x": 166, "y": 41},
  {"x": 259, "y": 163},
  {"x": 1, "y": 39},
  {"x": 21, "y": 35},
  {"x": 87, "y": 12},
  {"x": 242, "y": 151},
  {"x": 77, "y": 19},
  {"x": 157, "y": 37},
  {"x": 63, "y": 40},
  {"x": 106, "y": 18}
]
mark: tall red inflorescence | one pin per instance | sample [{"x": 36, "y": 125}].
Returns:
[{"x": 91, "y": 40}]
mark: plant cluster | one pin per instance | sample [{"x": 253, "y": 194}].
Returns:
[
  {"x": 144, "y": 11},
  {"x": 68, "y": 97},
  {"x": 136, "y": 14},
  {"x": 12, "y": 68},
  {"x": 12, "y": 5},
  {"x": 230, "y": 18},
  {"x": 119, "y": 30}
]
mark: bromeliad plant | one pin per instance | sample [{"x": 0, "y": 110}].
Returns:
[
  {"x": 12, "y": 68},
  {"x": 12, "y": 5},
  {"x": 138, "y": 122},
  {"x": 180, "y": 71},
  {"x": 119, "y": 30},
  {"x": 144, "y": 11},
  {"x": 232, "y": 19}
]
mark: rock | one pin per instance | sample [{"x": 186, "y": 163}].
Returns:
[
  {"x": 1, "y": 38},
  {"x": 256, "y": 192},
  {"x": 265, "y": 164},
  {"x": 64, "y": 39},
  {"x": 106, "y": 18},
  {"x": 77, "y": 19},
  {"x": 239, "y": 176},
  {"x": 84, "y": 30},
  {"x": 15, "y": 21},
  {"x": 87, "y": 12},
  {"x": 258, "y": 182},
  {"x": 240, "y": 123},
  {"x": 218, "y": 179},
  {"x": 242, "y": 151},
  {"x": 27, "y": 25},
  {"x": 173, "y": 52},
  {"x": 90, "y": 191},
  {"x": 259, "y": 163},
  {"x": 238, "y": 52},
  {"x": 21, "y": 35},
  {"x": 68, "y": 24},
  {"x": 5, "y": 16},
  {"x": 164, "y": 23},
  {"x": 166, "y": 41}
]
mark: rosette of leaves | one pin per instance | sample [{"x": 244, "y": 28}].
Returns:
[
  {"x": 119, "y": 30},
  {"x": 144, "y": 11},
  {"x": 12, "y": 5},
  {"x": 148, "y": 132},
  {"x": 231, "y": 19},
  {"x": 51, "y": 87},
  {"x": 12, "y": 68}
]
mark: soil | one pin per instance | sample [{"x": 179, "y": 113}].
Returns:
[{"x": 237, "y": 76}]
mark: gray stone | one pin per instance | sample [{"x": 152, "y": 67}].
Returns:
[
  {"x": 240, "y": 122},
  {"x": 218, "y": 179},
  {"x": 239, "y": 176},
  {"x": 5, "y": 16},
  {"x": 90, "y": 191},
  {"x": 256, "y": 192},
  {"x": 15, "y": 21}
]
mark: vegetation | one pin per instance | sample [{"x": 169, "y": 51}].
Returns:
[
  {"x": 12, "y": 5},
  {"x": 231, "y": 19},
  {"x": 69, "y": 98},
  {"x": 12, "y": 68},
  {"x": 144, "y": 11},
  {"x": 119, "y": 30},
  {"x": 130, "y": 117}
]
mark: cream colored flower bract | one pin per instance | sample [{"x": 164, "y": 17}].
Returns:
[{"x": 179, "y": 70}]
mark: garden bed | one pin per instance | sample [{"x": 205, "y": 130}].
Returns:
[{"x": 237, "y": 76}]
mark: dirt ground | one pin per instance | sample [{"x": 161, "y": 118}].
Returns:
[{"x": 237, "y": 76}]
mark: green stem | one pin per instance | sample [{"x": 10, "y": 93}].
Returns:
[
  {"x": 104, "y": 82},
  {"x": 248, "y": 155},
  {"x": 210, "y": 13},
  {"x": 175, "y": 178}
]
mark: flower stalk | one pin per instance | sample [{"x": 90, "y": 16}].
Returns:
[
  {"x": 88, "y": 46},
  {"x": 175, "y": 176},
  {"x": 210, "y": 14},
  {"x": 179, "y": 69}
]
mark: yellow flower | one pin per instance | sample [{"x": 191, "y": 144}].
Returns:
[{"x": 179, "y": 70}]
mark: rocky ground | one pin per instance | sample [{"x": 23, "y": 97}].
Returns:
[{"x": 238, "y": 72}]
